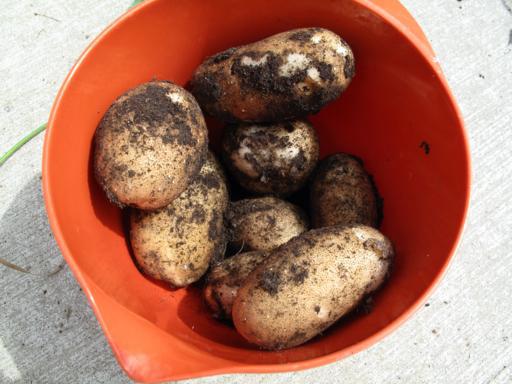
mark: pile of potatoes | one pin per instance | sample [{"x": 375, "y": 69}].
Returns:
[{"x": 280, "y": 276}]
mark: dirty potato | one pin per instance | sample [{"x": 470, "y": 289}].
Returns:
[
  {"x": 271, "y": 159},
  {"x": 263, "y": 224},
  {"x": 305, "y": 286},
  {"x": 149, "y": 145},
  {"x": 225, "y": 278},
  {"x": 285, "y": 76},
  {"x": 342, "y": 193},
  {"x": 177, "y": 243}
]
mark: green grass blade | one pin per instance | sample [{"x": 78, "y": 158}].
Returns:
[
  {"x": 21, "y": 143},
  {"x": 136, "y": 2}
]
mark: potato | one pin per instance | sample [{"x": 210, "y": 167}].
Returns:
[
  {"x": 263, "y": 224},
  {"x": 225, "y": 278},
  {"x": 149, "y": 145},
  {"x": 306, "y": 285},
  {"x": 285, "y": 76},
  {"x": 177, "y": 243},
  {"x": 271, "y": 159},
  {"x": 342, "y": 193}
]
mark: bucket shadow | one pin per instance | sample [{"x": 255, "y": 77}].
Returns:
[{"x": 46, "y": 326}]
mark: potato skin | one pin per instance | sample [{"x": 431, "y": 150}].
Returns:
[
  {"x": 265, "y": 223},
  {"x": 342, "y": 193},
  {"x": 177, "y": 243},
  {"x": 285, "y": 76},
  {"x": 149, "y": 145},
  {"x": 309, "y": 283},
  {"x": 272, "y": 158},
  {"x": 225, "y": 278}
]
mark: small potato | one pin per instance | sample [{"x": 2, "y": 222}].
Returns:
[
  {"x": 342, "y": 193},
  {"x": 271, "y": 159},
  {"x": 264, "y": 224},
  {"x": 306, "y": 285},
  {"x": 177, "y": 243},
  {"x": 285, "y": 76},
  {"x": 149, "y": 145},
  {"x": 225, "y": 279}
]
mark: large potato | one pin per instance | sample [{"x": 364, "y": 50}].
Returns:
[
  {"x": 273, "y": 158},
  {"x": 264, "y": 223},
  {"x": 225, "y": 278},
  {"x": 177, "y": 243},
  {"x": 282, "y": 77},
  {"x": 342, "y": 193},
  {"x": 309, "y": 283},
  {"x": 149, "y": 145}
]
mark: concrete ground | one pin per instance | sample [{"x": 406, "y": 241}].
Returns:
[{"x": 48, "y": 333}]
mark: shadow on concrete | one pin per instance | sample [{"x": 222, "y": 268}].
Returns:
[{"x": 47, "y": 329}]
